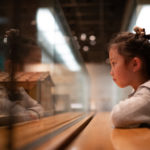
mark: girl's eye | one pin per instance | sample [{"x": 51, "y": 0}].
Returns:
[{"x": 113, "y": 63}]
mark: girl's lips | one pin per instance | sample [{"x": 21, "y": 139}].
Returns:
[{"x": 114, "y": 79}]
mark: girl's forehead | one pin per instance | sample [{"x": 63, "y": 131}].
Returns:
[{"x": 113, "y": 53}]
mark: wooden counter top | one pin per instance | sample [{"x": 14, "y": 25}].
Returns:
[
  {"x": 100, "y": 135},
  {"x": 27, "y": 132},
  {"x": 131, "y": 139},
  {"x": 76, "y": 131}
]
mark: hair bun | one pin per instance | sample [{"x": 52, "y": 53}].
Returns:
[
  {"x": 10, "y": 35},
  {"x": 139, "y": 31}
]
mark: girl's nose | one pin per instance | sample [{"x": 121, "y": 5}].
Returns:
[{"x": 111, "y": 72}]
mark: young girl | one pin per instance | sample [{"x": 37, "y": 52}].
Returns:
[{"x": 129, "y": 56}]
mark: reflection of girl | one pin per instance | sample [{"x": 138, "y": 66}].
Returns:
[
  {"x": 23, "y": 108},
  {"x": 129, "y": 56},
  {"x": 14, "y": 100},
  {"x": 20, "y": 50}
]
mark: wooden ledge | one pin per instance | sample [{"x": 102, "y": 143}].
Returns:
[
  {"x": 27, "y": 132},
  {"x": 96, "y": 135},
  {"x": 62, "y": 140}
]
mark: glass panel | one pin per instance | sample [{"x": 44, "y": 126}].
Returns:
[{"x": 42, "y": 72}]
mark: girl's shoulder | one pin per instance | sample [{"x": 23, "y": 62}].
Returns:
[
  {"x": 143, "y": 90},
  {"x": 145, "y": 85}
]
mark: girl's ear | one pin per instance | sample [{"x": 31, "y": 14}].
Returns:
[{"x": 136, "y": 64}]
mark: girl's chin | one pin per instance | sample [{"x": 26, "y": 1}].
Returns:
[{"x": 121, "y": 85}]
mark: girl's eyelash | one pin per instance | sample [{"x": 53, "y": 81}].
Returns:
[{"x": 113, "y": 63}]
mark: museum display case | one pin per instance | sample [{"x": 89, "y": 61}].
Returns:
[{"x": 41, "y": 71}]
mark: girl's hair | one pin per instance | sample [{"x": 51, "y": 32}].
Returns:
[
  {"x": 132, "y": 45},
  {"x": 16, "y": 49}
]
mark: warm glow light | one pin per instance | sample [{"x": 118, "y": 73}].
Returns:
[
  {"x": 50, "y": 34},
  {"x": 83, "y": 37},
  {"x": 76, "y": 106},
  {"x": 85, "y": 48},
  {"x": 92, "y": 37}
]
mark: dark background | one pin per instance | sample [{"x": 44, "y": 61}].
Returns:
[{"x": 101, "y": 18}]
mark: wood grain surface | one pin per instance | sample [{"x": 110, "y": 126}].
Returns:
[{"x": 100, "y": 135}]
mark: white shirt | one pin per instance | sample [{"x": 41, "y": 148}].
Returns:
[{"x": 134, "y": 110}]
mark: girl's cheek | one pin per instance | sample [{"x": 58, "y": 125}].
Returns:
[{"x": 114, "y": 70}]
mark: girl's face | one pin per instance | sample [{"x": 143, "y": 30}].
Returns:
[{"x": 120, "y": 71}]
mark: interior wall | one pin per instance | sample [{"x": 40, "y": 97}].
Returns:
[{"x": 104, "y": 92}]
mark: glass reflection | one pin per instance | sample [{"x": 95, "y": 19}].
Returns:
[
  {"x": 41, "y": 71},
  {"x": 40, "y": 58}
]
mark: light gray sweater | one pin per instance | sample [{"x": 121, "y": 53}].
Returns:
[{"x": 134, "y": 110}]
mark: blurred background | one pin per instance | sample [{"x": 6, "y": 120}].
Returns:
[
  {"x": 72, "y": 38},
  {"x": 93, "y": 24},
  {"x": 54, "y": 62}
]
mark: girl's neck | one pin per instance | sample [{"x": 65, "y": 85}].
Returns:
[{"x": 138, "y": 82}]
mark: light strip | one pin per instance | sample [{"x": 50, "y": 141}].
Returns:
[
  {"x": 50, "y": 31},
  {"x": 143, "y": 20}
]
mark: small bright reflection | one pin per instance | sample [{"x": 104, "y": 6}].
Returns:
[
  {"x": 76, "y": 106},
  {"x": 85, "y": 48},
  {"x": 83, "y": 37},
  {"x": 37, "y": 68},
  {"x": 143, "y": 18},
  {"x": 92, "y": 37},
  {"x": 50, "y": 33},
  {"x": 75, "y": 148}
]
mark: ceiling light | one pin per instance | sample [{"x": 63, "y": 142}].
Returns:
[
  {"x": 92, "y": 37},
  {"x": 50, "y": 34},
  {"x": 83, "y": 37},
  {"x": 85, "y": 48}
]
